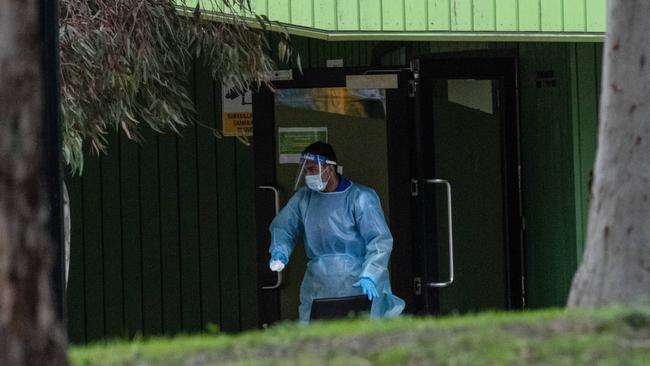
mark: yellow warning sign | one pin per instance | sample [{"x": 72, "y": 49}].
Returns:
[
  {"x": 238, "y": 124},
  {"x": 237, "y": 112}
]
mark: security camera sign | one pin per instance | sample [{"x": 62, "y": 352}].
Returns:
[{"x": 237, "y": 112}]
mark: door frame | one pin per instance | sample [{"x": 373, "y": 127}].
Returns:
[
  {"x": 482, "y": 64},
  {"x": 399, "y": 117}
]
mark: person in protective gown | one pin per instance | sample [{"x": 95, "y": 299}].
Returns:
[{"x": 346, "y": 238}]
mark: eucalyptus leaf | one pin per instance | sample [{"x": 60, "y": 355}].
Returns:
[{"x": 127, "y": 63}]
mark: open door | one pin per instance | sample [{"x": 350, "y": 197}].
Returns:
[
  {"x": 467, "y": 206},
  {"x": 364, "y": 114}
]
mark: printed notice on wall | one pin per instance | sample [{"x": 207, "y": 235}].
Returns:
[
  {"x": 237, "y": 112},
  {"x": 293, "y": 140}
]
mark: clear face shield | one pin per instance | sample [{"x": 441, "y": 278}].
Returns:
[{"x": 313, "y": 171}]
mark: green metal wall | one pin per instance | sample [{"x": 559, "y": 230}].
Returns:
[
  {"x": 439, "y": 15},
  {"x": 163, "y": 233},
  {"x": 551, "y": 175},
  {"x": 585, "y": 68}
]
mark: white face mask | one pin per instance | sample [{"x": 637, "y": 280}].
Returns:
[{"x": 315, "y": 183}]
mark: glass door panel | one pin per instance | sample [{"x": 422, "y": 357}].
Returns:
[{"x": 354, "y": 123}]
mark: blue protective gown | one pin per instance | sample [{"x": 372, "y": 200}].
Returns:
[{"x": 346, "y": 238}]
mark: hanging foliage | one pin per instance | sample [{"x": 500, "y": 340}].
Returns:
[{"x": 125, "y": 63}]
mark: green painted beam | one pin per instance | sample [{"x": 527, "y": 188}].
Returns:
[
  {"x": 538, "y": 29},
  {"x": 560, "y": 17}
]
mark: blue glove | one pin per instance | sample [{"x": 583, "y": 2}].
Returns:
[{"x": 368, "y": 287}]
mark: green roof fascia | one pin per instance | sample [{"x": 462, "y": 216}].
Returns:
[{"x": 458, "y": 36}]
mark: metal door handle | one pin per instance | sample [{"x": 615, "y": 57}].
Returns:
[
  {"x": 451, "y": 238},
  {"x": 276, "y": 195},
  {"x": 278, "y": 283}
]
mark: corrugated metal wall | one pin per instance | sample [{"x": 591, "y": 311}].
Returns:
[
  {"x": 552, "y": 177},
  {"x": 439, "y": 15},
  {"x": 163, "y": 233},
  {"x": 586, "y": 65}
]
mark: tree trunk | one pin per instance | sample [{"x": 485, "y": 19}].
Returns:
[
  {"x": 30, "y": 332},
  {"x": 616, "y": 265}
]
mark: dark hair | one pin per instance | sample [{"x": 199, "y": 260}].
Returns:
[{"x": 322, "y": 149}]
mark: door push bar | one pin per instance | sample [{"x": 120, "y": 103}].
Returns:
[
  {"x": 276, "y": 195},
  {"x": 451, "y": 238}
]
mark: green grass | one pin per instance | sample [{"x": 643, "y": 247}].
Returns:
[{"x": 613, "y": 336}]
